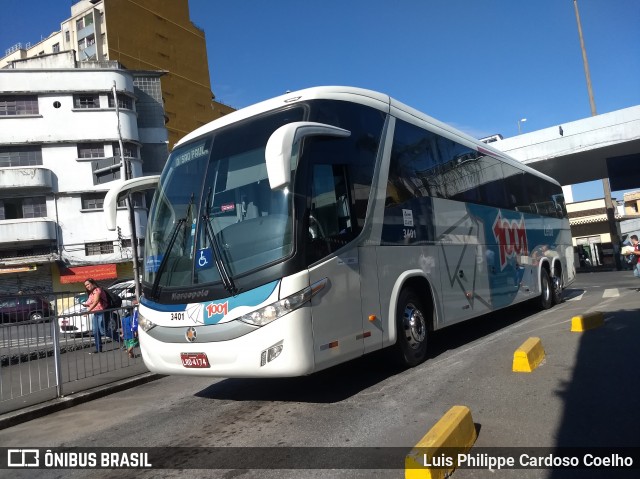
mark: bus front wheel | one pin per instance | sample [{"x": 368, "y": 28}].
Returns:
[
  {"x": 546, "y": 291},
  {"x": 411, "y": 329}
]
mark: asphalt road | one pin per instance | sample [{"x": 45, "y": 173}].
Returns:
[{"x": 585, "y": 393}]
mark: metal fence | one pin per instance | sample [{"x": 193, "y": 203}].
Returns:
[{"x": 47, "y": 348}]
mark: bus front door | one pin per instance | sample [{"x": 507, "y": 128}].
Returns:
[{"x": 336, "y": 311}]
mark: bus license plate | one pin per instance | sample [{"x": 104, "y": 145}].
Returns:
[{"x": 194, "y": 360}]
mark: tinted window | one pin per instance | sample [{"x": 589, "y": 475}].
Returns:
[
  {"x": 341, "y": 171},
  {"x": 414, "y": 170},
  {"x": 426, "y": 164},
  {"x": 544, "y": 198},
  {"x": 514, "y": 180},
  {"x": 357, "y": 152}
]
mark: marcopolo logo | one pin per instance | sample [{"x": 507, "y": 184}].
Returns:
[
  {"x": 511, "y": 236},
  {"x": 190, "y": 295}
]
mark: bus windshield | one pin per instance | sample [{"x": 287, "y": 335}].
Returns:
[{"x": 214, "y": 215}]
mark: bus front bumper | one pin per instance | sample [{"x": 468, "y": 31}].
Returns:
[{"x": 282, "y": 348}]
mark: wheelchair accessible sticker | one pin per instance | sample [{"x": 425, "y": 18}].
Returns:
[{"x": 204, "y": 258}]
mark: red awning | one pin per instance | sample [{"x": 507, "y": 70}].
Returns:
[{"x": 78, "y": 274}]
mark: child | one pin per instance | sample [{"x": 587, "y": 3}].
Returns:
[{"x": 130, "y": 331}]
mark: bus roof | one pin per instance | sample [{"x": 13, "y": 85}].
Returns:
[{"x": 359, "y": 95}]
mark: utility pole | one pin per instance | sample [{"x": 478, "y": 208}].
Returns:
[
  {"x": 587, "y": 74},
  {"x": 132, "y": 220},
  {"x": 613, "y": 230}
]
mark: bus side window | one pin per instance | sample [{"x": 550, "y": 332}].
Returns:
[{"x": 330, "y": 222}]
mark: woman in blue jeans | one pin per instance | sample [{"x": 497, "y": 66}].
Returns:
[
  {"x": 96, "y": 303},
  {"x": 635, "y": 255}
]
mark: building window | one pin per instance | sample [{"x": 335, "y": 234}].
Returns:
[
  {"x": 130, "y": 150},
  {"x": 90, "y": 150},
  {"x": 92, "y": 201},
  {"x": 18, "y": 208},
  {"x": 56, "y": 47},
  {"x": 86, "y": 101},
  {"x": 105, "y": 170},
  {"x": 67, "y": 36},
  {"x": 84, "y": 21},
  {"x": 20, "y": 156},
  {"x": 34, "y": 207},
  {"x": 124, "y": 101},
  {"x": 137, "y": 201},
  {"x": 18, "y": 105},
  {"x": 92, "y": 249}
]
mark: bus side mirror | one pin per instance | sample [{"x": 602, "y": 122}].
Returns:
[
  {"x": 134, "y": 185},
  {"x": 284, "y": 141}
]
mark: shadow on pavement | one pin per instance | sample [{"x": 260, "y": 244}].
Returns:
[
  {"x": 348, "y": 379},
  {"x": 602, "y": 401}
]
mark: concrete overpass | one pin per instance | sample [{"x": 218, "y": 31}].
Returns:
[{"x": 606, "y": 145}]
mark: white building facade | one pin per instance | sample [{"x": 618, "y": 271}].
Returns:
[{"x": 60, "y": 134}]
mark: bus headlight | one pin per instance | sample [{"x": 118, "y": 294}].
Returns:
[
  {"x": 273, "y": 311},
  {"x": 144, "y": 323}
]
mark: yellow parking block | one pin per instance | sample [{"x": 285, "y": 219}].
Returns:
[
  {"x": 587, "y": 321},
  {"x": 435, "y": 456},
  {"x": 528, "y": 356}
]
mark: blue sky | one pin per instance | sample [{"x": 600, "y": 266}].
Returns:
[{"x": 479, "y": 65}]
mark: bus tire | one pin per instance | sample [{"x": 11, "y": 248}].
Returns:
[
  {"x": 556, "y": 289},
  {"x": 411, "y": 329},
  {"x": 546, "y": 290}
]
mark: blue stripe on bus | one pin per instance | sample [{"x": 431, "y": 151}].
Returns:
[
  {"x": 214, "y": 311},
  {"x": 248, "y": 298}
]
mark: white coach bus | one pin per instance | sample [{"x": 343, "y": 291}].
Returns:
[{"x": 321, "y": 225}]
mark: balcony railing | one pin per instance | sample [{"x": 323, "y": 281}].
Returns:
[
  {"x": 31, "y": 230},
  {"x": 26, "y": 177}
]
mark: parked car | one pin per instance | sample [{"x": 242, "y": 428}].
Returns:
[
  {"x": 74, "y": 321},
  {"x": 23, "y": 308}
]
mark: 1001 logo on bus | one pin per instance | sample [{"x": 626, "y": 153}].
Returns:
[
  {"x": 214, "y": 309},
  {"x": 511, "y": 236}
]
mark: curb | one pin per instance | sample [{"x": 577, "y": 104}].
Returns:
[
  {"x": 587, "y": 321},
  {"x": 454, "y": 433},
  {"x": 528, "y": 356},
  {"x": 14, "y": 418}
]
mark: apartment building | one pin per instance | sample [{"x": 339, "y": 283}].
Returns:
[
  {"x": 631, "y": 210},
  {"x": 141, "y": 35},
  {"x": 61, "y": 127}
]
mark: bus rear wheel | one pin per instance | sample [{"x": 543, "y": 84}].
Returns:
[
  {"x": 411, "y": 329},
  {"x": 546, "y": 291},
  {"x": 556, "y": 288}
]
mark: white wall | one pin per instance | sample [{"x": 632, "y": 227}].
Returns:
[{"x": 59, "y": 130}]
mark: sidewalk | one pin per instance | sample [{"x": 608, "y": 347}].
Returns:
[{"x": 76, "y": 392}]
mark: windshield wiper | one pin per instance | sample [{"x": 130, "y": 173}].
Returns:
[
  {"x": 165, "y": 258},
  {"x": 227, "y": 280}
]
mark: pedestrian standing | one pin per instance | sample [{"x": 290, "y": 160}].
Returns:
[
  {"x": 635, "y": 256},
  {"x": 130, "y": 330},
  {"x": 96, "y": 303}
]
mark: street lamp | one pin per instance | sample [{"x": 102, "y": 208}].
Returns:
[{"x": 521, "y": 120}]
